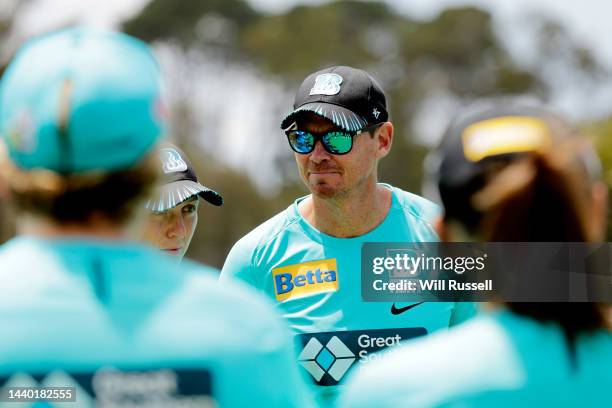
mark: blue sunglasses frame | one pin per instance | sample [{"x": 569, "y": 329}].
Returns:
[{"x": 293, "y": 135}]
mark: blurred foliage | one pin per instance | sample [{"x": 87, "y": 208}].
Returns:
[
  {"x": 295, "y": 44},
  {"x": 601, "y": 132},
  {"x": 458, "y": 37},
  {"x": 10, "y": 9},
  {"x": 8, "y": 13},
  {"x": 183, "y": 20},
  {"x": 456, "y": 53},
  {"x": 553, "y": 40}
]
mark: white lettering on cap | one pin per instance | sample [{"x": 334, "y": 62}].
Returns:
[
  {"x": 172, "y": 161},
  {"x": 326, "y": 84}
]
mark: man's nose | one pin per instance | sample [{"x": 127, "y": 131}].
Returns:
[{"x": 319, "y": 154}]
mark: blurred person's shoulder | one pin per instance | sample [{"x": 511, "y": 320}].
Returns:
[
  {"x": 17, "y": 250},
  {"x": 494, "y": 358},
  {"x": 175, "y": 299},
  {"x": 415, "y": 206},
  {"x": 232, "y": 306},
  {"x": 26, "y": 263},
  {"x": 192, "y": 267},
  {"x": 544, "y": 351},
  {"x": 469, "y": 358},
  {"x": 34, "y": 263},
  {"x": 29, "y": 253}
]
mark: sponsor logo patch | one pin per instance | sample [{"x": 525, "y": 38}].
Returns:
[
  {"x": 305, "y": 279},
  {"x": 327, "y": 357},
  {"x": 400, "y": 310}
]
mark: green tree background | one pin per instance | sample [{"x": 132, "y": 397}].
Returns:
[{"x": 457, "y": 52}]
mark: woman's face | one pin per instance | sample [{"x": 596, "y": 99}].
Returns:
[{"x": 172, "y": 230}]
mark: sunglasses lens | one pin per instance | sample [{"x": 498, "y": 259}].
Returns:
[
  {"x": 338, "y": 142},
  {"x": 302, "y": 142}
]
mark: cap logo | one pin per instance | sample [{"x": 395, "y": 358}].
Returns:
[
  {"x": 172, "y": 161},
  {"x": 326, "y": 84},
  {"x": 376, "y": 113}
]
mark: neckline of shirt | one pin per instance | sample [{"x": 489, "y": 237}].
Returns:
[{"x": 329, "y": 240}]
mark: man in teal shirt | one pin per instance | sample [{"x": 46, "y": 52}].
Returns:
[
  {"x": 84, "y": 306},
  {"x": 307, "y": 258}
]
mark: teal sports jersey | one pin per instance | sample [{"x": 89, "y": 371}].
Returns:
[
  {"x": 315, "y": 279},
  {"x": 128, "y": 326},
  {"x": 495, "y": 360}
]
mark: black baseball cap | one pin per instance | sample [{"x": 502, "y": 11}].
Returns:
[
  {"x": 179, "y": 181},
  {"x": 349, "y": 97},
  {"x": 491, "y": 133}
]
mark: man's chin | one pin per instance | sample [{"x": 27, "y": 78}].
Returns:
[{"x": 324, "y": 190}]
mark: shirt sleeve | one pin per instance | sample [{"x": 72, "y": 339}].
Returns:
[
  {"x": 239, "y": 265},
  {"x": 461, "y": 312}
]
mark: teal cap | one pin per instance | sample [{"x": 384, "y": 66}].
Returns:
[{"x": 80, "y": 100}]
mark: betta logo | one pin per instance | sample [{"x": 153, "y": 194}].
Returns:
[{"x": 305, "y": 279}]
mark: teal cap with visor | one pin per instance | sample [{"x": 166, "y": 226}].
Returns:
[{"x": 80, "y": 100}]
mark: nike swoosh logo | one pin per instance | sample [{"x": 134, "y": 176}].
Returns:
[{"x": 396, "y": 311}]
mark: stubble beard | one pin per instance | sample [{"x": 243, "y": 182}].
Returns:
[{"x": 338, "y": 193}]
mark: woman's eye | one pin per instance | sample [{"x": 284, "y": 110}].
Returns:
[{"x": 188, "y": 209}]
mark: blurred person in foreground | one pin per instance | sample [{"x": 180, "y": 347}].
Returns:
[
  {"x": 308, "y": 257},
  {"x": 508, "y": 172},
  {"x": 84, "y": 305},
  {"x": 173, "y": 213}
]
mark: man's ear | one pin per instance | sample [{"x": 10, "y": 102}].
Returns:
[{"x": 384, "y": 134}]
